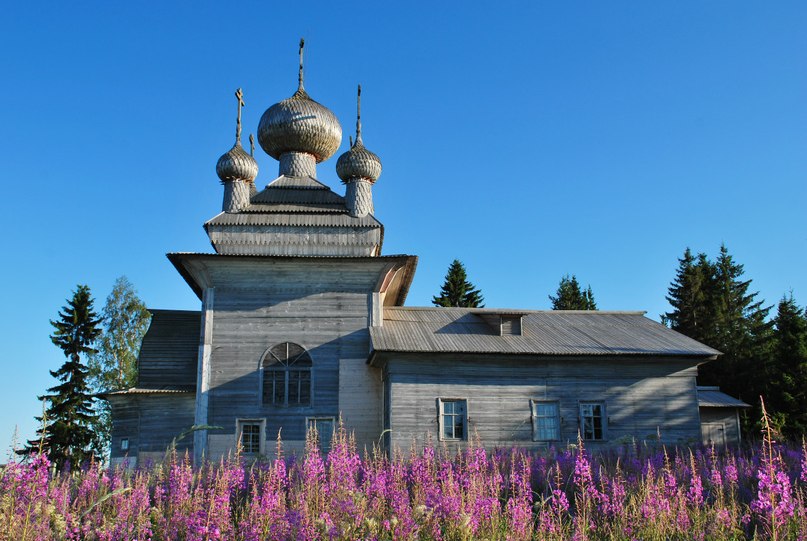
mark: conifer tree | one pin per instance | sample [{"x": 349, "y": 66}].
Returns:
[
  {"x": 787, "y": 373},
  {"x": 741, "y": 332},
  {"x": 691, "y": 296},
  {"x": 571, "y": 297},
  {"x": 457, "y": 290},
  {"x": 66, "y": 436},
  {"x": 114, "y": 366}
]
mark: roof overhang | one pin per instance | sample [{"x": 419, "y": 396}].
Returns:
[{"x": 193, "y": 267}]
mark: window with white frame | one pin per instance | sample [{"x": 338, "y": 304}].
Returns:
[
  {"x": 250, "y": 436},
  {"x": 545, "y": 420},
  {"x": 286, "y": 376},
  {"x": 592, "y": 420},
  {"x": 323, "y": 427},
  {"x": 453, "y": 419}
]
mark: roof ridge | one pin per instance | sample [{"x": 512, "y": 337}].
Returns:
[{"x": 513, "y": 311}]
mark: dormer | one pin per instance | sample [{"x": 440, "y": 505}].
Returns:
[{"x": 503, "y": 323}]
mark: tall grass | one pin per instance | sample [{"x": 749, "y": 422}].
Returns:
[{"x": 634, "y": 492}]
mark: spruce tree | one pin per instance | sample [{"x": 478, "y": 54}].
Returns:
[
  {"x": 114, "y": 366},
  {"x": 692, "y": 298},
  {"x": 457, "y": 290},
  {"x": 66, "y": 435},
  {"x": 571, "y": 297},
  {"x": 740, "y": 332},
  {"x": 787, "y": 372}
]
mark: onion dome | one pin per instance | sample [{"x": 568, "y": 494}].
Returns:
[
  {"x": 236, "y": 164},
  {"x": 299, "y": 124},
  {"x": 358, "y": 162}
]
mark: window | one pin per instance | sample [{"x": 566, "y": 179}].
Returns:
[
  {"x": 287, "y": 376},
  {"x": 250, "y": 436},
  {"x": 545, "y": 420},
  {"x": 124, "y": 444},
  {"x": 592, "y": 420},
  {"x": 323, "y": 426},
  {"x": 453, "y": 419}
]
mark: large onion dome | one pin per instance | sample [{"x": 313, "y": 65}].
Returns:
[
  {"x": 358, "y": 162},
  {"x": 299, "y": 124},
  {"x": 236, "y": 164}
]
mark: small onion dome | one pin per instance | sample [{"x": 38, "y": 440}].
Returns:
[
  {"x": 236, "y": 164},
  {"x": 299, "y": 124},
  {"x": 358, "y": 162}
]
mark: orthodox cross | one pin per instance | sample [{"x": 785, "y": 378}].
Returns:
[
  {"x": 300, "y": 75},
  {"x": 240, "y": 96}
]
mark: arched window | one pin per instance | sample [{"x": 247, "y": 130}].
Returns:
[{"x": 287, "y": 376}]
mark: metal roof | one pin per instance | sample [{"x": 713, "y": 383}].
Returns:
[
  {"x": 712, "y": 397},
  {"x": 465, "y": 330}
]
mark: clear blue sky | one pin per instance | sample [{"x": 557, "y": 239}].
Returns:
[{"x": 530, "y": 141}]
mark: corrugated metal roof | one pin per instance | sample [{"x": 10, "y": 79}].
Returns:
[
  {"x": 712, "y": 397},
  {"x": 464, "y": 330}
]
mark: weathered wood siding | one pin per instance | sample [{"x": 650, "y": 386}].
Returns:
[
  {"x": 170, "y": 349},
  {"x": 641, "y": 397},
  {"x": 150, "y": 422},
  {"x": 360, "y": 399},
  {"x": 724, "y": 420},
  {"x": 322, "y": 305}
]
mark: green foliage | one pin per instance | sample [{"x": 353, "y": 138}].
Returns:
[
  {"x": 787, "y": 370},
  {"x": 571, "y": 297},
  {"x": 711, "y": 303},
  {"x": 457, "y": 290},
  {"x": 66, "y": 435},
  {"x": 113, "y": 366}
]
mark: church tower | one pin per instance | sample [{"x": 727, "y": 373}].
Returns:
[{"x": 296, "y": 214}]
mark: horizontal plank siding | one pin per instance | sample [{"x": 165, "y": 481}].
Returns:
[{"x": 641, "y": 398}]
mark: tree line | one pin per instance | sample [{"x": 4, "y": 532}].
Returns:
[{"x": 712, "y": 302}]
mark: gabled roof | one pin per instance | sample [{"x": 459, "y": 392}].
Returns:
[
  {"x": 572, "y": 333},
  {"x": 712, "y": 397}
]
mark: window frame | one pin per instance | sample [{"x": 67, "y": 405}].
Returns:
[
  {"x": 270, "y": 363},
  {"x": 441, "y": 417},
  {"x": 534, "y": 418},
  {"x": 603, "y": 420},
  {"x": 239, "y": 435},
  {"x": 323, "y": 443}
]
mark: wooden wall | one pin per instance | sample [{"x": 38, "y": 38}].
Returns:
[
  {"x": 322, "y": 305},
  {"x": 150, "y": 422},
  {"x": 720, "y": 421},
  {"x": 169, "y": 351},
  {"x": 641, "y": 396}
]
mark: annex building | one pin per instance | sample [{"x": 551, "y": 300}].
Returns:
[{"x": 302, "y": 322}]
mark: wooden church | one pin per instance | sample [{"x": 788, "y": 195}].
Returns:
[{"x": 303, "y": 323}]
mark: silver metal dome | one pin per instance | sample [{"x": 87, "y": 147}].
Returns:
[
  {"x": 358, "y": 162},
  {"x": 236, "y": 164},
  {"x": 300, "y": 124}
]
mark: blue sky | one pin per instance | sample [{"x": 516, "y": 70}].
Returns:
[{"x": 530, "y": 141}]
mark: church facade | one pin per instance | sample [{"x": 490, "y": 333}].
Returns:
[{"x": 302, "y": 324}]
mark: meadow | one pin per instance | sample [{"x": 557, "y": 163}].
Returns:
[{"x": 638, "y": 491}]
